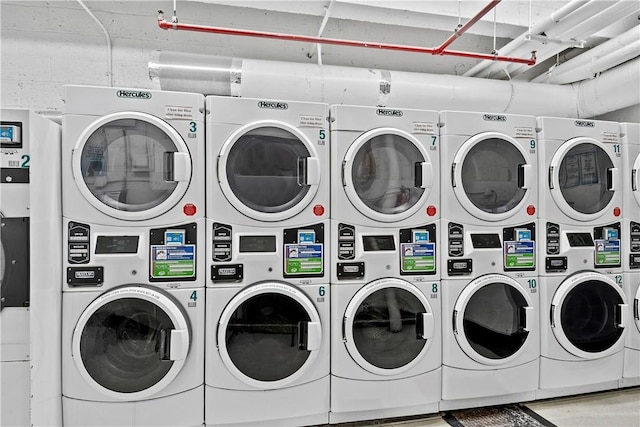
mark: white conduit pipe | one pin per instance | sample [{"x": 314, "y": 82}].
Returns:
[
  {"x": 106, "y": 34},
  {"x": 537, "y": 29},
  {"x": 583, "y": 23},
  {"x": 600, "y": 58},
  {"x": 399, "y": 89}
]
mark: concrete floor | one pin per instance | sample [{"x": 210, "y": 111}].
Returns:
[{"x": 617, "y": 408}]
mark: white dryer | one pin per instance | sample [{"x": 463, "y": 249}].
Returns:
[
  {"x": 583, "y": 309},
  {"x": 133, "y": 250},
  {"x": 630, "y": 133},
  {"x": 385, "y": 298},
  {"x": 267, "y": 354},
  {"x": 268, "y": 162},
  {"x": 489, "y": 272}
]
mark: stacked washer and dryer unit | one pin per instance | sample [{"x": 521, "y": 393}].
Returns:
[
  {"x": 630, "y": 133},
  {"x": 489, "y": 274},
  {"x": 385, "y": 296},
  {"x": 268, "y": 295},
  {"x": 133, "y": 237},
  {"x": 583, "y": 307}
]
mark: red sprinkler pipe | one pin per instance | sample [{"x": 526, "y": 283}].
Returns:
[
  {"x": 460, "y": 31},
  {"x": 166, "y": 25}
]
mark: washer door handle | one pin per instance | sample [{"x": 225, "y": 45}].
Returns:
[
  {"x": 309, "y": 336},
  {"x": 178, "y": 344},
  {"x": 524, "y": 176},
  {"x": 613, "y": 179},
  {"x": 634, "y": 179},
  {"x": 425, "y": 326},
  {"x": 177, "y": 167},
  {"x": 308, "y": 171},
  {"x": 622, "y": 313},
  {"x": 527, "y": 312},
  {"x": 424, "y": 175}
]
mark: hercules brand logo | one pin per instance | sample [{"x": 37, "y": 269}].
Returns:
[
  {"x": 137, "y": 94},
  {"x": 584, "y": 124},
  {"x": 273, "y": 105},
  {"x": 494, "y": 118},
  {"x": 389, "y": 113}
]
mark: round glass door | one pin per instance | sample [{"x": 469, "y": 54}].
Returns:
[
  {"x": 268, "y": 335},
  {"x": 491, "y": 176},
  {"x": 131, "y": 342},
  {"x": 132, "y": 165},
  {"x": 492, "y": 319},
  {"x": 589, "y": 315},
  {"x": 269, "y": 171},
  {"x": 387, "y": 174},
  {"x": 583, "y": 179},
  {"x": 388, "y": 326}
]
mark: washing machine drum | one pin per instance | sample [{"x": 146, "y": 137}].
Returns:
[
  {"x": 492, "y": 319},
  {"x": 269, "y": 335},
  {"x": 132, "y": 165},
  {"x": 269, "y": 171},
  {"x": 131, "y": 342},
  {"x": 583, "y": 179},
  {"x": 491, "y": 176},
  {"x": 588, "y": 314},
  {"x": 388, "y": 326},
  {"x": 14, "y": 262}
]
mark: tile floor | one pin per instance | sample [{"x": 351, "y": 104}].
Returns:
[{"x": 617, "y": 408}]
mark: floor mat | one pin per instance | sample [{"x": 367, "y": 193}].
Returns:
[{"x": 499, "y": 416}]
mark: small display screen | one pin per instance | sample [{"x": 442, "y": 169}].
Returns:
[
  {"x": 580, "y": 239},
  {"x": 485, "y": 241},
  {"x": 378, "y": 243},
  {"x": 117, "y": 244},
  {"x": 257, "y": 243},
  {"x": 11, "y": 134}
]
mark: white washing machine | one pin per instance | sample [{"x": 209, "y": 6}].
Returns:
[
  {"x": 18, "y": 128},
  {"x": 489, "y": 272},
  {"x": 385, "y": 302},
  {"x": 133, "y": 249},
  {"x": 583, "y": 309},
  {"x": 267, "y": 355},
  {"x": 268, "y": 162},
  {"x": 631, "y": 248}
]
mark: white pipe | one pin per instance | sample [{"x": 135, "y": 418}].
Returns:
[
  {"x": 359, "y": 86},
  {"x": 575, "y": 27},
  {"x": 613, "y": 90},
  {"x": 323, "y": 24},
  {"x": 601, "y": 58},
  {"x": 106, "y": 34},
  {"x": 537, "y": 29}
]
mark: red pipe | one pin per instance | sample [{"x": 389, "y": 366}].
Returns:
[
  {"x": 460, "y": 31},
  {"x": 166, "y": 25}
]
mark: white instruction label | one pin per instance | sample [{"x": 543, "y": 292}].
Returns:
[
  {"x": 424, "y": 128},
  {"x": 178, "y": 113},
  {"x": 525, "y": 133},
  {"x": 611, "y": 137},
  {"x": 311, "y": 121}
]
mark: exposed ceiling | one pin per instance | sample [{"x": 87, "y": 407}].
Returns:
[{"x": 561, "y": 31}]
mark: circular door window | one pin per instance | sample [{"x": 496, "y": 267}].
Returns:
[
  {"x": 388, "y": 326},
  {"x": 387, "y": 174},
  {"x": 131, "y": 342},
  {"x": 492, "y": 318},
  {"x": 491, "y": 176},
  {"x": 268, "y": 334},
  {"x": 589, "y": 314},
  {"x": 583, "y": 179},
  {"x": 132, "y": 165},
  {"x": 269, "y": 171}
]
